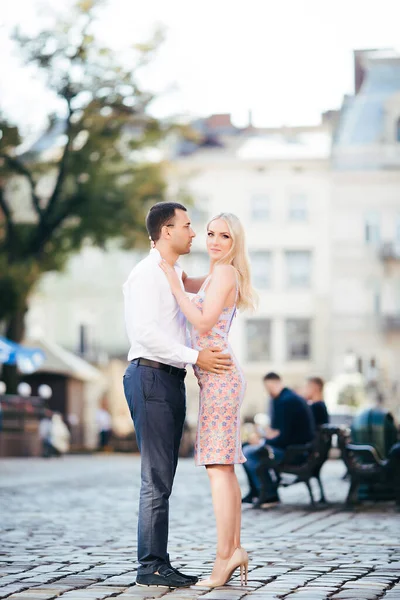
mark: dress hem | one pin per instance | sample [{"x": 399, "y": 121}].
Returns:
[{"x": 235, "y": 462}]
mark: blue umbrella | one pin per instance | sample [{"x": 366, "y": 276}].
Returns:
[{"x": 27, "y": 360}]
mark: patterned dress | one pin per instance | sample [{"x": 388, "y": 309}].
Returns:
[{"x": 218, "y": 429}]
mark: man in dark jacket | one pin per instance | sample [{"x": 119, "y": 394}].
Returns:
[
  {"x": 292, "y": 422},
  {"x": 314, "y": 394}
]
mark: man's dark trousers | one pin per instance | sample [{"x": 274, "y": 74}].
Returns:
[
  {"x": 157, "y": 402},
  {"x": 254, "y": 455}
]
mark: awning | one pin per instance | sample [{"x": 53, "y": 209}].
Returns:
[{"x": 28, "y": 360}]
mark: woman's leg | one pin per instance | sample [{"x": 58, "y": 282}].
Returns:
[
  {"x": 227, "y": 508},
  {"x": 238, "y": 514}
]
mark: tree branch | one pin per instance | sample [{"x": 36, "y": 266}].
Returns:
[
  {"x": 48, "y": 228},
  {"x": 18, "y": 167},
  {"x": 7, "y": 215},
  {"x": 63, "y": 166}
]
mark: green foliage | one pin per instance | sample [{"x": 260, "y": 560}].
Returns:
[
  {"x": 351, "y": 395},
  {"x": 101, "y": 181}
]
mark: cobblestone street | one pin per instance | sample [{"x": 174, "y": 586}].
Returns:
[{"x": 68, "y": 529}]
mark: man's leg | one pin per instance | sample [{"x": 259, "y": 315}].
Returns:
[
  {"x": 267, "y": 476},
  {"x": 150, "y": 405},
  {"x": 252, "y": 454},
  {"x": 179, "y": 410},
  {"x": 177, "y": 391}
]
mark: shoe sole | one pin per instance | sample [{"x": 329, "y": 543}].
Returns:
[
  {"x": 267, "y": 505},
  {"x": 165, "y": 587}
]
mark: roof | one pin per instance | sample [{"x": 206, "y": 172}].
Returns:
[
  {"x": 61, "y": 361},
  {"x": 362, "y": 119},
  {"x": 304, "y": 145}
]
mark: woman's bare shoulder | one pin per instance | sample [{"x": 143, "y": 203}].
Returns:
[
  {"x": 224, "y": 276},
  {"x": 227, "y": 271}
]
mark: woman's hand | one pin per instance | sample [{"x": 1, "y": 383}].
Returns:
[{"x": 172, "y": 277}]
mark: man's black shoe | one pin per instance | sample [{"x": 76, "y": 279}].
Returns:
[
  {"x": 266, "y": 501},
  {"x": 164, "y": 577},
  {"x": 192, "y": 577},
  {"x": 248, "y": 499}
]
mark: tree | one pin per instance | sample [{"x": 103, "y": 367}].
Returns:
[{"x": 98, "y": 182}]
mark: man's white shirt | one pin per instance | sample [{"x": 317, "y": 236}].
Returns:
[{"x": 154, "y": 322}]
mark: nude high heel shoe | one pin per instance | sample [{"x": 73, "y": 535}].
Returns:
[
  {"x": 238, "y": 559},
  {"x": 244, "y": 567}
]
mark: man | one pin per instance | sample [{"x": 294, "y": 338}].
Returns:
[
  {"x": 104, "y": 427},
  {"x": 45, "y": 433},
  {"x": 154, "y": 383},
  {"x": 291, "y": 423},
  {"x": 314, "y": 392}
]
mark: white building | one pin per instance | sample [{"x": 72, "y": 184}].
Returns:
[
  {"x": 278, "y": 184},
  {"x": 323, "y": 231},
  {"x": 365, "y": 223}
]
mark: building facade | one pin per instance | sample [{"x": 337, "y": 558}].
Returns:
[
  {"x": 278, "y": 184},
  {"x": 365, "y": 224},
  {"x": 321, "y": 210}
]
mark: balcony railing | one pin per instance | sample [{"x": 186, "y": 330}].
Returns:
[{"x": 390, "y": 251}]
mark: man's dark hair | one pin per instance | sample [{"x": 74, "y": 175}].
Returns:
[
  {"x": 272, "y": 377},
  {"x": 318, "y": 381},
  {"x": 159, "y": 215}
]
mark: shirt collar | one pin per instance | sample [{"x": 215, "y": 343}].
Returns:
[{"x": 155, "y": 254}]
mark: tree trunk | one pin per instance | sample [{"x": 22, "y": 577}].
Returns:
[{"x": 15, "y": 329}]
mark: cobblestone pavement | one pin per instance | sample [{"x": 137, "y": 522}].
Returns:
[{"x": 68, "y": 530}]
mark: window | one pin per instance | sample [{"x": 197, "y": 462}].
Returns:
[
  {"x": 372, "y": 228},
  {"x": 260, "y": 206},
  {"x": 298, "y": 207},
  {"x": 298, "y": 334},
  {"x": 298, "y": 268},
  {"x": 258, "y": 340},
  {"x": 261, "y": 269}
]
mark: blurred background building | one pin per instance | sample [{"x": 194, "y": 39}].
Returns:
[
  {"x": 365, "y": 223},
  {"x": 321, "y": 208}
]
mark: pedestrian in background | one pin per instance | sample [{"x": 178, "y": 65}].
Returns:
[
  {"x": 104, "y": 423},
  {"x": 59, "y": 435},
  {"x": 314, "y": 394},
  {"x": 45, "y": 433}
]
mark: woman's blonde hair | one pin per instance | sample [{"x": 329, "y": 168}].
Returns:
[{"x": 238, "y": 258}]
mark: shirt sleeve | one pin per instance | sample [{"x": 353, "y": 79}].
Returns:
[{"x": 143, "y": 303}]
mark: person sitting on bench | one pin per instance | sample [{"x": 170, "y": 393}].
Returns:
[
  {"x": 314, "y": 394},
  {"x": 292, "y": 422}
]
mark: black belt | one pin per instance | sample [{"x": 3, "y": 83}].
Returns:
[{"x": 145, "y": 362}]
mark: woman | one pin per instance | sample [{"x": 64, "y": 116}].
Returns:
[{"x": 218, "y": 444}]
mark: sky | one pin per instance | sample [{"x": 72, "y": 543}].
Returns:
[{"x": 287, "y": 61}]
